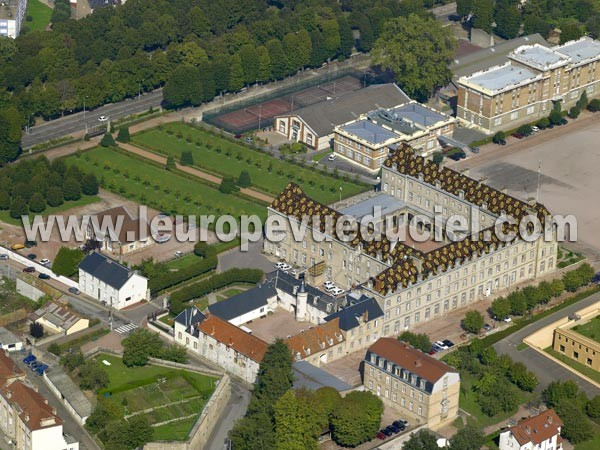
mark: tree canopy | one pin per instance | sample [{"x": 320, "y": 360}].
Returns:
[{"x": 418, "y": 50}]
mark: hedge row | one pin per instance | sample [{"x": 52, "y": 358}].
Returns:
[
  {"x": 217, "y": 281},
  {"x": 166, "y": 279}
]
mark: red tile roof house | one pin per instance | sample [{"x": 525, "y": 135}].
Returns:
[
  {"x": 541, "y": 432},
  {"x": 25, "y": 416}
]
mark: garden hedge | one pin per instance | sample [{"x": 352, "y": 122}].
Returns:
[{"x": 168, "y": 279}]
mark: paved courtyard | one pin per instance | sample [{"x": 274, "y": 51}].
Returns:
[
  {"x": 569, "y": 182},
  {"x": 280, "y": 324}
]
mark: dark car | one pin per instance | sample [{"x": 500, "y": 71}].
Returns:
[
  {"x": 34, "y": 365},
  {"x": 29, "y": 269},
  {"x": 29, "y": 358},
  {"x": 457, "y": 156},
  {"x": 30, "y": 244},
  {"x": 394, "y": 429},
  {"x": 399, "y": 424},
  {"x": 74, "y": 290},
  {"x": 563, "y": 121},
  {"x": 596, "y": 278},
  {"x": 32, "y": 256},
  {"x": 487, "y": 327},
  {"x": 475, "y": 150},
  {"x": 518, "y": 135},
  {"x": 44, "y": 276},
  {"x": 41, "y": 369},
  {"x": 448, "y": 343},
  {"x": 386, "y": 431},
  {"x": 380, "y": 435},
  {"x": 501, "y": 142}
]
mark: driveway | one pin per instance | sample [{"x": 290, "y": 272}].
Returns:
[
  {"x": 546, "y": 369},
  {"x": 234, "y": 410},
  {"x": 252, "y": 259}
]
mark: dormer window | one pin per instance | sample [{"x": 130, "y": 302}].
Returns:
[
  {"x": 374, "y": 359},
  {"x": 422, "y": 384}
]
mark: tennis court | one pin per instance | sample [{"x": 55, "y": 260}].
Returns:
[{"x": 261, "y": 114}]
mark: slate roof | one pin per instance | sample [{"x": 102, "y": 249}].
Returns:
[
  {"x": 7, "y": 337},
  {"x": 322, "y": 117},
  {"x": 352, "y": 316},
  {"x": 190, "y": 317},
  {"x": 70, "y": 391},
  {"x": 538, "y": 428},
  {"x": 406, "y": 357},
  {"x": 308, "y": 376},
  {"x": 244, "y": 302},
  {"x": 105, "y": 269}
]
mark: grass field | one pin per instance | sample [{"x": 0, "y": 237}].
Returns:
[
  {"x": 590, "y": 329},
  {"x": 223, "y": 157},
  {"x": 40, "y": 15},
  {"x": 82, "y": 340},
  {"x": 169, "y": 393},
  {"x": 156, "y": 187},
  {"x": 182, "y": 262},
  {"x": 83, "y": 201}
]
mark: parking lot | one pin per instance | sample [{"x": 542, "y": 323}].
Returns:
[{"x": 569, "y": 157}]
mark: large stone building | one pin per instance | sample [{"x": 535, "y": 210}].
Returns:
[
  {"x": 419, "y": 387},
  {"x": 579, "y": 346},
  {"x": 12, "y": 15},
  {"x": 527, "y": 86},
  {"x": 414, "y": 281},
  {"x": 365, "y": 141}
]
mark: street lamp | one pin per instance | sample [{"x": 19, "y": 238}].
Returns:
[
  {"x": 140, "y": 90},
  {"x": 84, "y": 107}
]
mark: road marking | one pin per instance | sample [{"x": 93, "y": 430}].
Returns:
[{"x": 128, "y": 328}]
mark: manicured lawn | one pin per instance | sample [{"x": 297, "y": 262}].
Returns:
[
  {"x": 40, "y": 15},
  {"x": 583, "y": 369},
  {"x": 590, "y": 329},
  {"x": 156, "y": 187},
  {"x": 592, "y": 444},
  {"x": 224, "y": 157},
  {"x": 83, "y": 201},
  {"x": 183, "y": 261},
  {"x": 172, "y": 394}
]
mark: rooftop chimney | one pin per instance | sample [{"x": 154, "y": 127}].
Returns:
[{"x": 418, "y": 362}]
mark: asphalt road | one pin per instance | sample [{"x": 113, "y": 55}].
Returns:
[
  {"x": 546, "y": 369},
  {"x": 235, "y": 409},
  {"x": 75, "y": 123}
]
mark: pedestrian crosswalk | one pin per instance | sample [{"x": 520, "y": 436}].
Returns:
[{"x": 125, "y": 329}]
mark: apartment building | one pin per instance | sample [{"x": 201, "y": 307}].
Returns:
[
  {"x": 419, "y": 387},
  {"x": 415, "y": 281},
  {"x": 12, "y": 15},
  {"x": 365, "y": 141},
  {"x": 583, "y": 349},
  {"x": 540, "y": 432},
  {"x": 527, "y": 86},
  {"x": 26, "y": 418}
]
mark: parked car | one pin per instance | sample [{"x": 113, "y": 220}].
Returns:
[
  {"x": 29, "y": 358},
  {"x": 103, "y": 119},
  {"x": 535, "y": 129},
  {"x": 400, "y": 424},
  {"x": 501, "y": 142},
  {"x": 380, "y": 435},
  {"x": 329, "y": 284},
  {"x": 178, "y": 254},
  {"x": 286, "y": 268},
  {"x": 336, "y": 291},
  {"x": 34, "y": 365},
  {"x": 518, "y": 135},
  {"x": 45, "y": 262},
  {"x": 32, "y": 256},
  {"x": 74, "y": 290},
  {"x": 30, "y": 244},
  {"x": 441, "y": 345},
  {"x": 394, "y": 429},
  {"x": 41, "y": 369},
  {"x": 457, "y": 156},
  {"x": 595, "y": 278},
  {"x": 487, "y": 327},
  {"x": 29, "y": 269},
  {"x": 507, "y": 319},
  {"x": 475, "y": 150},
  {"x": 386, "y": 431},
  {"x": 448, "y": 343},
  {"x": 17, "y": 246},
  {"x": 44, "y": 276},
  {"x": 332, "y": 157},
  {"x": 3, "y": 256}
]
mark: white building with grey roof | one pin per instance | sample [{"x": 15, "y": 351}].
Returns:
[{"x": 111, "y": 283}]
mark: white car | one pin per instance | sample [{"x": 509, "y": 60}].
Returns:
[
  {"x": 45, "y": 262},
  {"x": 336, "y": 291},
  {"x": 178, "y": 254},
  {"x": 441, "y": 345},
  {"x": 332, "y": 157},
  {"x": 535, "y": 129},
  {"x": 329, "y": 284},
  {"x": 103, "y": 119},
  {"x": 285, "y": 268},
  {"x": 280, "y": 264}
]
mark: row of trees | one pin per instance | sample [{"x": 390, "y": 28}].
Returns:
[
  {"x": 286, "y": 419},
  {"x": 467, "y": 438},
  {"x": 34, "y": 184},
  {"x": 522, "y": 300},
  {"x": 574, "y": 18},
  {"x": 196, "y": 49},
  {"x": 498, "y": 378}
]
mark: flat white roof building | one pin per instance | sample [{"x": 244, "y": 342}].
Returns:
[{"x": 12, "y": 14}]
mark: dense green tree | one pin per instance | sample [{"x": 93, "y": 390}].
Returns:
[
  {"x": 576, "y": 426},
  {"x": 170, "y": 164},
  {"x": 236, "y": 73},
  {"x": 483, "y": 15},
  {"x": 228, "y": 185},
  {"x": 278, "y": 59},
  {"x": 10, "y": 136},
  {"x": 500, "y": 307},
  {"x": 55, "y": 196},
  {"x": 508, "y": 19},
  {"x": 533, "y": 23},
  {"x": 72, "y": 360},
  {"x": 557, "y": 287},
  {"x": 319, "y": 52},
  {"x": 417, "y": 340},
  {"x": 139, "y": 346},
  {"x": 61, "y": 11},
  {"x": 346, "y": 37},
  {"x": 123, "y": 135},
  {"x": 187, "y": 158},
  {"x": 244, "y": 179},
  {"x": 105, "y": 412},
  {"x": 473, "y": 321},
  {"x": 92, "y": 376},
  {"x": 518, "y": 303},
  {"x": 593, "y": 407},
  {"x": 18, "y": 208},
  {"x": 464, "y": 7},
  {"x": 36, "y": 330},
  {"x": 37, "y": 204},
  {"x": 295, "y": 423},
  {"x": 107, "y": 140},
  {"x": 571, "y": 31},
  {"x": 89, "y": 184},
  {"x": 356, "y": 418},
  {"x": 4, "y": 201},
  {"x": 250, "y": 63},
  {"x": 467, "y": 438},
  {"x": 522, "y": 378},
  {"x": 71, "y": 189},
  {"x": 559, "y": 390},
  {"x": 264, "y": 64},
  {"x": 418, "y": 50},
  {"x": 139, "y": 431},
  {"x": 67, "y": 261},
  {"x": 421, "y": 440}
]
